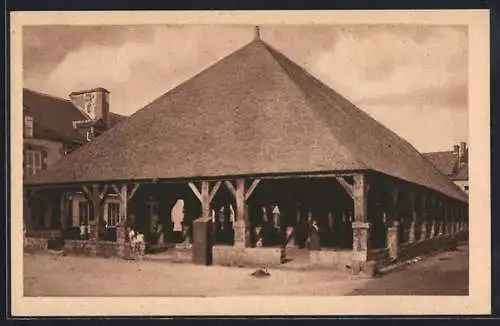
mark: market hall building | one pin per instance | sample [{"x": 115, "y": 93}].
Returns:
[{"x": 271, "y": 155}]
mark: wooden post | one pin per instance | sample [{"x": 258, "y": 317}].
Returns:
[
  {"x": 440, "y": 218},
  {"x": 125, "y": 195},
  {"x": 122, "y": 220},
  {"x": 241, "y": 224},
  {"x": 205, "y": 199},
  {"x": 423, "y": 213},
  {"x": 413, "y": 219},
  {"x": 432, "y": 212},
  {"x": 96, "y": 197},
  {"x": 360, "y": 226},
  {"x": 64, "y": 214}
]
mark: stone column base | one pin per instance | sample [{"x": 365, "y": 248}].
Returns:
[
  {"x": 393, "y": 241},
  {"x": 432, "y": 233},
  {"x": 411, "y": 234},
  {"x": 240, "y": 234},
  {"x": 360, "y": 246}
]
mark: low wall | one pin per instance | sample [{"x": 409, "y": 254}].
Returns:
[
  {"x": 248, "y": 257},
  {"x": 44, "y": 234},
  {"x": 35, "y": 244},
  {"x": 330, "y": 259},
  {"x": 84, "y": 247}
]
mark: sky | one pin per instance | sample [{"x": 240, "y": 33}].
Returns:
[{"x": 411, "y": 78}]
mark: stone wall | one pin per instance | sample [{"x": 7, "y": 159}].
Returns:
[
  {"x": 44, "y": 234},
  {"x": 330, "y": 259},
  {"x": 248, "y": 257},
  {"x": 87, "y": 248},
  {"x": 35, "y": 244}
]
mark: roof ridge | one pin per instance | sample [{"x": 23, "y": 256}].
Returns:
[
  {"x": 48, "y": 95},
  {"x": 273, "y": 53},
  {"x": 438, "y": 152},
  {"x": 85, "y": 114}
]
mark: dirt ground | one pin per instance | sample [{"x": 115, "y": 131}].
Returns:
[
  {"x": 446, "y": 273},
  {"x": 52, "y": 275}
]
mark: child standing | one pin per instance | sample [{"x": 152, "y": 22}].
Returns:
[{"x": 83, "y": 230}]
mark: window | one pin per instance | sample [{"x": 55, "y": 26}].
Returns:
[
  {"x": 113, "y": 214},
  {"x": 28, "y": 127},
  {"x": 32, "y": 161},
  {"x": 84, "y": 212},
  {"x": 466, "y": 188}
]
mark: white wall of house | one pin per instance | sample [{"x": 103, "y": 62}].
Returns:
[{"x": 463, "y": 184}]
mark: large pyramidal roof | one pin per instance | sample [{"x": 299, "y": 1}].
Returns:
[{"x": 254, "y": 112}]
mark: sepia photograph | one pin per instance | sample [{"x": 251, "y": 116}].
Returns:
[{"x": 249, "y": 158}]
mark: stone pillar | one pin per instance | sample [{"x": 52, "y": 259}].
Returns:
[
  {"x": 394, "y": 217},
  {"x": 96, "y": 199},
  {"x": 361, "y": 242},
  {"x": 360, "y": 226},
  {"x": 393, "y": 240},
  {"x": 432, "y": 233},
  {"x": 290, "y": 239}
]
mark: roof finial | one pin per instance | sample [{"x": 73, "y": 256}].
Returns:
[{"x": 257, "y": 33}]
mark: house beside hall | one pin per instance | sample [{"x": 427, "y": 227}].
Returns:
[
  {"x": 279, "y": 162},
  {"x": 53, "y": 128},
  {"x": 454, "y": 164}
]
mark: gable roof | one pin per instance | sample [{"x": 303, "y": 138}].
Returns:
[
  {"x": 462, "y": 173},
  {"x": 445, "y": 161},
  {"x": 253, "y": 112},
  {"x": 52, "y": 116}
]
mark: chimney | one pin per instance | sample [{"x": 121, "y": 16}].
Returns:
[
  {"x": 463, "y": 152},
  {"x": 93, "y": 102}
]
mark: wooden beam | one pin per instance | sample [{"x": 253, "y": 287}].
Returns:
[
  {"x": 123, "y": 193},
  {"x": 250, "y": 190},
  {"x": 104, "y": 191},
  {"x": 195, "y": 191},
  {"x": 360, "y": 198},
  {"x": 87, "y": 192},
  {"x": 214, "y": 190},
  {"x": 133, "y": 191},
  {"x": 205, "y": 198},
  {"x": 230, "y": 186},
  {"x": 347, "y": 187}
]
